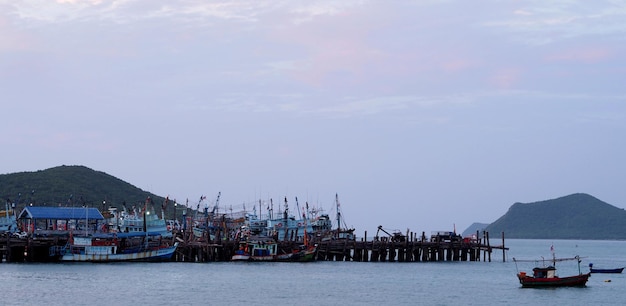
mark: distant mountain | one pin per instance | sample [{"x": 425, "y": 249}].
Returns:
[
  {"x": 72, "y": 186},
  {"x": 475, "y": 227},
  {"x": 576, "y": 216}
]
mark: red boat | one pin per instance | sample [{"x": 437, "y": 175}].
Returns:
[{"x": 546, "y": 276}]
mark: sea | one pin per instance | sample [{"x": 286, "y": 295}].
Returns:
[{"x": 323, "y": 283}]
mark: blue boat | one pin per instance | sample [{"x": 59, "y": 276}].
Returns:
[
  {"x": 594, "y": 270},
  {"x": 117, "y": 247}
]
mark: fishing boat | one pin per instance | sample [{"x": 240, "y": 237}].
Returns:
[
  {"x": 115, "y": 247},
  {"x": 305, "y": 252},
  {"x": 340, "y": 233},
  {"x": 242, "y": 254},
  {"x": 256, "y": 248},
  {"x": 262, "y": 249},
  {"x": 545, "y": 276},
  {"x": 596, "y": 270},
  {"x": 8, "y": 220},
  {"x": 146, "y": 220},
  {"x": 302, "y": 253}
]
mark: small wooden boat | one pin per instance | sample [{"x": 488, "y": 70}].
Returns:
[
  {"x": 594, "y": 270},
  {"x": 303, "y": 253},
  {"x": 546, "y": 276},
  {"x": 242, "y": 254}
]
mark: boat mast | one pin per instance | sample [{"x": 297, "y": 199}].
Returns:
[
  {"x": 271, "y": 212},
  {"x": 306, "y": 236},
  {"x": 87, "y": 221},
  {"x": 297, "y": 206},
  {"x": 145, "y": 208},
  {"x": 338, "y": 213}
]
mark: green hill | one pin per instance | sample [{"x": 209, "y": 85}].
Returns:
[
  {"x": 576, "y": 216},
  {"x": 72, "y": 186}
]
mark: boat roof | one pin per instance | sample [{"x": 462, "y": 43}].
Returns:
[
  {"x": 548, "y": 268},
  {"x": 260, "y": 239},
  {"x": 60, "y": 213},
  {"x": 549, "y": 259},
  {"x": 125, "y": 235}
]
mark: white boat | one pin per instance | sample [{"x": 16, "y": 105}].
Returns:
[
  {"x": 147, "y": 221},
  {"x": 117, "y": 247}
]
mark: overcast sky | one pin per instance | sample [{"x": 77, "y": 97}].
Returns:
[{"x": 419, "y": 114}]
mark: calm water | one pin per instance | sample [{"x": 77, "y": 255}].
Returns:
[{"x": 320, "y": 283}]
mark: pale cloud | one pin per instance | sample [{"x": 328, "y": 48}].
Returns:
[
  {"x": 522, "y": 12},
  {"x": 92, "y": 2},
  {"x": 455, "y": 65},
  {"x": 360, "y": 107},
  {"x": 191, "y": 11},
  {"x": 589, "y": 55},
  {"x": 309, "y": 12},
  {"x": 505, "y": 78},
  {"x": 541, "y": 22}
]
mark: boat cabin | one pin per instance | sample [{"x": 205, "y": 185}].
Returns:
[{"x": 547, "y": 272}]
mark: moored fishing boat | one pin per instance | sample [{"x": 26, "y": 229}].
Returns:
[
  {"x": 8, "y": 221},
  {"x": 305, "y": 252},
  {"x": 242, "y": 254},
  {"x": 262, "y": 249},
  {"x": 256, "y": 248},
  {"x": 145, "y": 221},
  {"x": 117, "y": 247},
  {"x": 545, "y": 276}
]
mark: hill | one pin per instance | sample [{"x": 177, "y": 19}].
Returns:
[
  {"x": 475, "y": 227},
  {"x": 576, "y": 216},
  {"x": 72, "y": 186}
]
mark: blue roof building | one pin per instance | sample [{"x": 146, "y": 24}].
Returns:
[
  {"x": 60, "y": 213},
  {"x": 50, "y": 220}
]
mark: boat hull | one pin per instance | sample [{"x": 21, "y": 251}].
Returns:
[
  {"x": 240, "y": 257},
  {"x": 161, "y": 254},
  {"x": 541, "y": 282},
  {"x": 300, "y": 256},
  {"x": 263, "y": 258},
  {"x": 619, "y": 270}
]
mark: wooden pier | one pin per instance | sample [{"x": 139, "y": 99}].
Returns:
[{"x": 413, "y": 249}]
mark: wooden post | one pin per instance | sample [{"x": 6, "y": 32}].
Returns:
[
  {"x": 488, "y": 247},
  {"x": 328, "y": 255},
  {"x": 8, "y": 250},
  {"x": 374, "y": 254},
  {"x": 503, "y": 249},
  {"x": 365, "y": 252}
]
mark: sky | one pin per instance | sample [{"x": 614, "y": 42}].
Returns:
[{"x": 419, "y": 115}]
